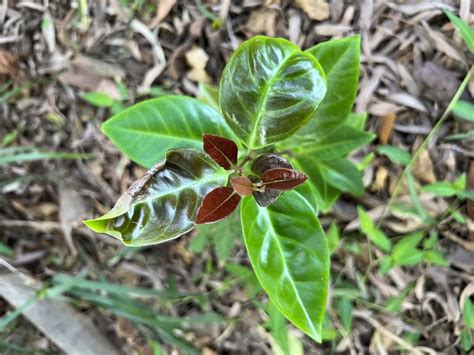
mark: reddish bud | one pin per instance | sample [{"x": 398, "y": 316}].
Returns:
[
  {"x": 282, "y": 179},
  {"x": 222, "y": 150},
  {"x": 242, "y": 185},
  {"x": 217, "y": 204}
]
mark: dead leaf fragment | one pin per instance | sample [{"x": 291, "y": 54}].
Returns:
[
  {"x": 71, "y": 212},
  {"x": 7, "y": 62},
  {"x": 423, "y": 168},
  {"x": 315, "y": 9},
  {"x": 197, "y": 58},
  {"x": 164, "y": 8},
  {"x": 386, "y": 127},
  {"x": 380, "y": 181},
  {"x": 262, "y": 21}
]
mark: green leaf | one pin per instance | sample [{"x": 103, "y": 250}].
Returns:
[
  {"x": 394, "y": 304},
  {"x": 466, "y": 32},
  {"x": 13, "y": 157},
  {"x": 6, "y": 250},
  {"x": 288, "y": 251},
  {"x": 336, "y": 145},
  {"x": 163, "y": 204},
  {"x": 98, "y": 99},
  {"x": 443, "y": 189},
  {"x": 406, "y": 247},
  {"x": 268, "y": 89},
  {"x": 145, "y": 132},
  {"x": 356, "y": 120},
  {"x": 395, "y": 154},
  {"x": 431, "y": 242},
  {"x": 340, "y": 61},
  {"x": 468, "y": 312},
  {"x": 343, "y": 175},
  {"x": 252, "y": 286},
  {"x": 344, "y": 308},
  {"x": 324, "y": 193},
  {"x": 374, "y": 234},
  {"x": 222, "y": 235},
  {"x": 333, "y": 237},
  {"x": 277, "y": 327},
  {"x": 465, "y": 340},
  {"x": 209, "y": 94},
  {"x": 435, "y": 257},
  {"x": 464, "y": 110},
  {"x": 386, "y": 263}
]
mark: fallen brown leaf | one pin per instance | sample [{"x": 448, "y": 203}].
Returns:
[
  {"x": 386, "y": 127},
  {"x": 380, "y": 180},
  {"x": 71, "y": 212},
  {"x": 315, "y": 9},
  {"x": 197, "y": 58},
  {"x": 262, "y": 21},
  {"x": 7, "y": 63},
  {"x": 423, "y": 168},
  {"x": 164, "y": 8}
]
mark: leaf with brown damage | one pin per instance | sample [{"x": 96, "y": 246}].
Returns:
[{"x": 163, "y": 204}]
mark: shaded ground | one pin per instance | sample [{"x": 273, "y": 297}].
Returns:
[{"x": 412, "y": 64}]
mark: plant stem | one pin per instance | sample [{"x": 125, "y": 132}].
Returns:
[{"x": 423, "y": 145}]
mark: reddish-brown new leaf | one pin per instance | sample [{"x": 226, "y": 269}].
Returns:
[
  {"x": 222, "y": 150},
  {"x": 217, "y": 204},
  {"x": 282, "y": 179},
  {"x": 242, "y": 185}
]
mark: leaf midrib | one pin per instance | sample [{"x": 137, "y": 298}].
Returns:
[
  {"x": 213, "y": 177},
  {"x": 263, "y": 101},
  {"x": 286, "y": 270}
]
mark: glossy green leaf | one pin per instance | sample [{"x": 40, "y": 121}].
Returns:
[
  {"x": 289, "y": 253},
  {"x": 336, "y": 145},
  {"x": 163, "y": 204},
  {"x": 340, "y": 62},
  {"x": 145, "y": 132},
  {"x": 269, "y": 88}
]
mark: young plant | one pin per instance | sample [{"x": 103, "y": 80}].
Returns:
[{"x": 286, "y": 124}]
